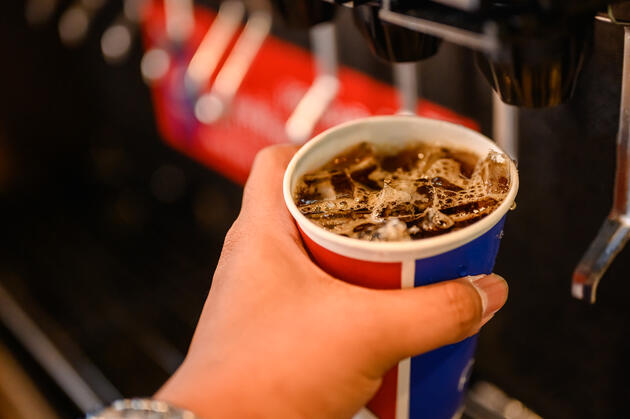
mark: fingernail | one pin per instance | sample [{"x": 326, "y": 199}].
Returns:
[
  {"x": 493, "y": 291},
  {"x": 486, "y": 319}
]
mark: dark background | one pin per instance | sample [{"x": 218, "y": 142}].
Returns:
[{"x": 116, "y": 275}]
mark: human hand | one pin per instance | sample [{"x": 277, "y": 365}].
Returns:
[{"x": 280, "y": 338}]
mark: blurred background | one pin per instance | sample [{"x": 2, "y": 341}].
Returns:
[{"x": 119, "y": 178}]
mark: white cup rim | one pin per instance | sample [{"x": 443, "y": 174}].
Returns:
[{"x": 398, "y": 250}]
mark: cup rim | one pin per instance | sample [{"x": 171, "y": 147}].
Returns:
[{"x": 396, "y": 250}]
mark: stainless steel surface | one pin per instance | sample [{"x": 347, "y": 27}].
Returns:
[
  {"x": 324, "y": 47},
  {"x": 610, "y": 240},
  {"x": 505, "y": 126},
  {"x": 614, "y": 233},
  {"x": 486, "y": 401},
  {"x": 315, "y": 101},
  {"x": 621, "y": 203},
  {"x": 406, "y": 81}
]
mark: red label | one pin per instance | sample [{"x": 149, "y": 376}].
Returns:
[{"x": 278, "y": 78}]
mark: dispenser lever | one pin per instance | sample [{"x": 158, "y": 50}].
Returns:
[
  {"x": 615, "y": 232},
  {"x": 323, "y": 91}
]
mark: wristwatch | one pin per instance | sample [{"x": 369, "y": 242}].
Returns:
[{"x": 142, "y": 409}]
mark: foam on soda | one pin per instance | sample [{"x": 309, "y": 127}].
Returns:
[{"x": 419, "y": 191}]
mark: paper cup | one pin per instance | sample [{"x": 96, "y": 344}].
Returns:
[{"x": 431, "y": 385}]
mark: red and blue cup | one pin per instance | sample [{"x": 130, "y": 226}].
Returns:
[{"x": 431, "y": 385}]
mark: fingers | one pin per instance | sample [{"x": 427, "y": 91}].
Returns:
[
  {"x": 414, "y": 321},
  {"x": 263, "y": 201}
]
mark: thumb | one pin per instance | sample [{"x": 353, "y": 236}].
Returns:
[{"x": 413, "y": 321}]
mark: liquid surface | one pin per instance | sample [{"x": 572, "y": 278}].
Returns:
[{"x": 419, "y": 191}]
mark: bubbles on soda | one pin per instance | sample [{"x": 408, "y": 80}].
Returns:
[{"x": 418, "y": 191}]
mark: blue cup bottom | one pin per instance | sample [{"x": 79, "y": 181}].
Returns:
[{"x": 438, "y": 378}]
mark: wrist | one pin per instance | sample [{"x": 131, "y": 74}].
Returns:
[
  {"x": 184, "y": 390},
  {"x": 218, "y": 391}
]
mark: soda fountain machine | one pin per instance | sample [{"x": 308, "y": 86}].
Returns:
[{"x": 547, "y": 79}]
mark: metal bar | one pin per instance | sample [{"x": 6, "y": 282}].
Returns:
[
  {"x": 46, "y": 354},
  {"x": 311, "y": 108},
  {"x": 610, "y": 240},
  {"x": 481, "y": 42},
  {"x": 406, "y": 81},
  {"x": 214, "y": 44},
  {"x": 485, "y": 42},
  {"x": 213, "y": 105},
  {"x": 621, "y": 203},
  {"x": 505, "y": 126},
  {"x": 240, "y": 60},
  {"x": 324, "y": 45},
  {"x": 615, "y": 232}
]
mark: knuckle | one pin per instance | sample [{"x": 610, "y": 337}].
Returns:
[
  {"x": 275, "y": 153},
  {"x": 267, "y": 153},
  {"x": 464, "y": 306},
  {"x": 270, "y": 159}
]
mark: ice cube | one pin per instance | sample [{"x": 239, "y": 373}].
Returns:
[
  {"x": 365, "y": 177},
  {"x": 389, "y": 198},
  {"x": 392, "y": 230},
  {"x": 342, "y": 185},
  {"x": 434, "y": 220},
  {"x": 358, "y": 156},
  {"x": 494, "y": 172}
]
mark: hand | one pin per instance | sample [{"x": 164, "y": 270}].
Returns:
[{"x": 280, "y": 338}]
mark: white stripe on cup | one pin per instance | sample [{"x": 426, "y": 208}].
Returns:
[
  {"x": 407, "y": 274},
  {"x": 364, "y": 413},
  {"x": 402, "y": 389}
]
